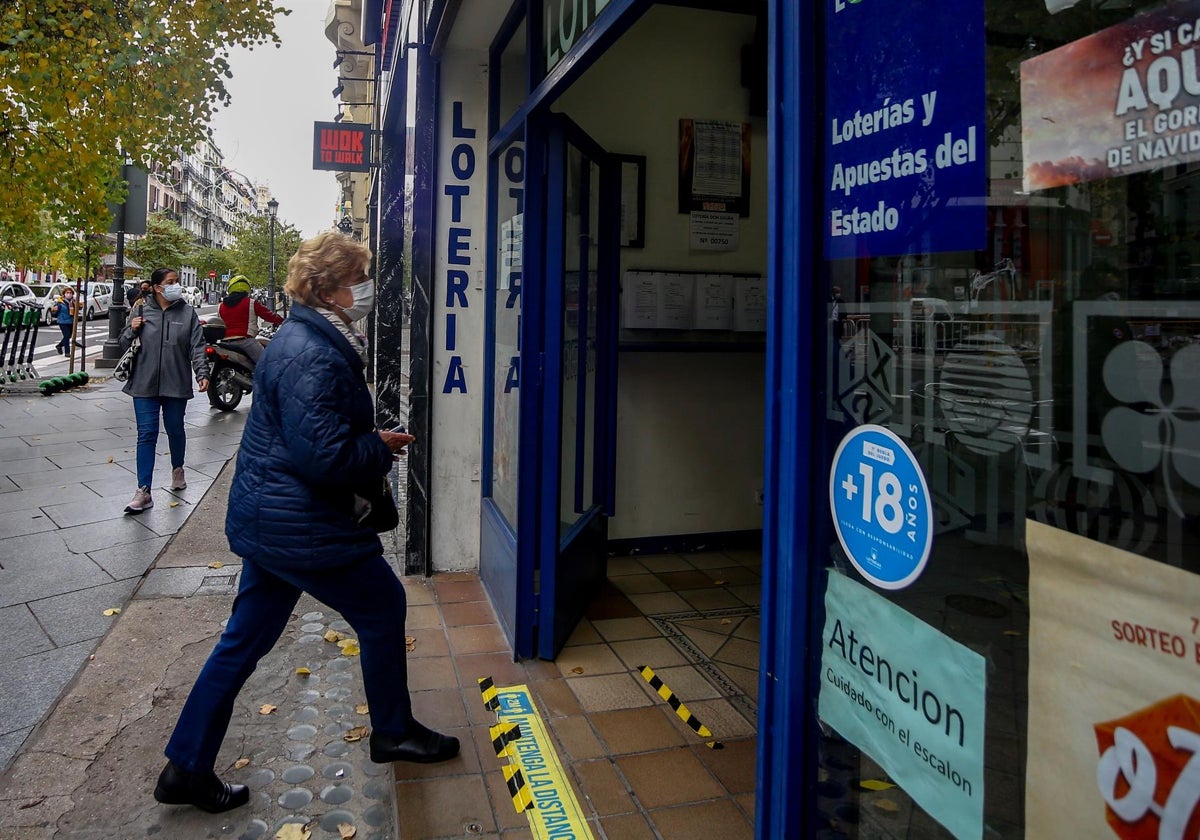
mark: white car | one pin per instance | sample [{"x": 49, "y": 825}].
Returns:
[
  {"x": 12, "y": 291},
  {"x": 192, "y": 296},
  {"x": 99, "y": 299},
  {"x": 47, "y": 294}
]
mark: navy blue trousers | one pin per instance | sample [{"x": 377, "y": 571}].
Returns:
[{"x": 370, "y": 597}]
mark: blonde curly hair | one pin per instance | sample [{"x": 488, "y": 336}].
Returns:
[{"x": 323, "y": 263}]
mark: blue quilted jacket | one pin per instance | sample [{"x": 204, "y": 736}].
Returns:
[{"x": 309, "y": 442}]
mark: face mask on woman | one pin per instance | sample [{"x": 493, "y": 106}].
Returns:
[
  {"x": 173, "y": 292},
  {"x": 364, "y": 300}
]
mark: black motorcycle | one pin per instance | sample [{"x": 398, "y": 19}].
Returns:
[{"x": 232, "y": 371}]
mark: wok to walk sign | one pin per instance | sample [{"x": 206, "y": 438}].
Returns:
[{"x": 341, "y": 147}]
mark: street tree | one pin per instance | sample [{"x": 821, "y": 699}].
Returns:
[
  {"x": 211, "y": 261},
  {"x": 251, "y": 251},
  {"x": 85, "y": 80},
  {"x": 165, "y": 245}
]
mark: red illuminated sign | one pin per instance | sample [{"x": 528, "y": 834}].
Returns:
[{"x": 342, "y": 148}]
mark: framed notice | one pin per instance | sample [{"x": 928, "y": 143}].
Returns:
[
  {"x": 714, "y": 167},
  {"x": 633, "y": 200}
]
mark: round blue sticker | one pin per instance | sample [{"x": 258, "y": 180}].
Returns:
[{"x": 881, "y": 507}]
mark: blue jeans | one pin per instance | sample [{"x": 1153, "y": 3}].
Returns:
[
  {"x": 146, "y": 410},
  {"x": 370, "y": 597}
]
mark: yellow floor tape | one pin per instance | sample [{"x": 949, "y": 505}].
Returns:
[
  {"x": 534, "y": 776},
  {"x": 675, "y": 703}
]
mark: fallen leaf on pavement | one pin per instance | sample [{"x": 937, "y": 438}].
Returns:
[
  {"x": 303, "y": 672},
  {"x": 886, "y": 805},
  {"x": 113, "y": 611},
  {"x": 361, "y": 709},
  {"x": 110, "y": 459},
  {"x": 346, "y": 831},
  {"x": 293, "y": 831},
  {"x": 577, "y": 670},
  {"x": 334, "y": 636},
  {"x": 718, "y": 583},
  {"x": 349, "y": 647},
  {"x": 174, "y": 504},
  {"x": 240, "y": 763},
  {"x": 875, "y": 784},
  {"x": 266, "y": 709},
  {"x": 32, "y": 804},
  {"x": 410, "y": 643},
  {"x": 356, "y": 734},
  {"x": 216, "y": 564}
]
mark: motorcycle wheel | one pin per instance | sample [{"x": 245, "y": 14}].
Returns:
[{"x": 223, "y": 391}]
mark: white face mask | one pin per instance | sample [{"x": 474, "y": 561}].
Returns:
[
  {"x": 172, "y": 292},
  {"x": 364, "y": 300}
]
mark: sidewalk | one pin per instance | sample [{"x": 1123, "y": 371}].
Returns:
[{"x": 68, "y": 554}]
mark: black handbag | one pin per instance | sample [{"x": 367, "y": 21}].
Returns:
[{"x": 376, "y": 509}]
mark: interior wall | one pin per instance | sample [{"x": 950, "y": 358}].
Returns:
[{"x": 690, "y": 425}]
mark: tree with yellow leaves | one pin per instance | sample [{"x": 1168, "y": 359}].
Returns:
[{"x": 82, "y": 81}]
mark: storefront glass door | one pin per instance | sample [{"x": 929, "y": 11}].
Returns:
[{"x": 580, "y": 368}]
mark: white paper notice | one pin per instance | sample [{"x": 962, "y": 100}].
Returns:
[
  {"x": 718, "y": 167},
  {"x": 639, "y": 300},
  {"x": 750, "y": 304},
  {"x": 714, "y": 231},
  {"x": 675, "y": 301},
  {"x": 714, "y": 302}
]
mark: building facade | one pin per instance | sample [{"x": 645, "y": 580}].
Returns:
[{"x": 906, "y": 303}]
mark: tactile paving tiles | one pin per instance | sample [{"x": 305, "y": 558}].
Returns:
[{"x": 301, "y": 768}]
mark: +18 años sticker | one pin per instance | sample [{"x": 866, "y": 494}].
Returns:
[{"x": 881, "y": 507}]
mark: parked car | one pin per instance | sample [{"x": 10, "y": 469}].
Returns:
[
  {"x": 47, "y": 293},
  {"x": 193, "y": 296},
  {"x": 13, "y": 291},
  {"x": 99, "y": 299}
]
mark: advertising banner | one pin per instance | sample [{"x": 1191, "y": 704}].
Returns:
[
  {"x": 906, "y": 142},
  {"x": 911, "y": 698},
  {"x": 1126, "y": 99},
  {"x": 1114, "y": 699},
  {"x": 342, "y": 147}
]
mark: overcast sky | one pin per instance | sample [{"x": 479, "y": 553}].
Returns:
[{"x": 267, "y": 131}]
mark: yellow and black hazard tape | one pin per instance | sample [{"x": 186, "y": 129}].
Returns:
[
  {"x": 675, "y": 703},
  {"x": 518, "y": 788},
  {"x": 504, "y": 734},
  {"x": 488, "y": 689}
]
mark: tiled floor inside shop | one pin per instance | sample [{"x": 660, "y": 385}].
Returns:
[{"x": 637, "y": 770}]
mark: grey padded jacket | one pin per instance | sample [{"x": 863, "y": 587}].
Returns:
[{"x": 172, "y": 342}]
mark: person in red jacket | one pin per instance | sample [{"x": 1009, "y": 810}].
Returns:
[{"x": 241, "y": 315}]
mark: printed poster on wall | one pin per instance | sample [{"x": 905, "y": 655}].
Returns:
[
  {"x": 910, "y": 697},
  {"x": 906, "y": 140},
  {"x": 1114, "y": 692},
  {"x": 1119, "y": 101}
]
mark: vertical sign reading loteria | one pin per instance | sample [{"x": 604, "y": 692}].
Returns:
[
  {"x": 1114, "y": 692},
  {"x": 905, "y": 137}
]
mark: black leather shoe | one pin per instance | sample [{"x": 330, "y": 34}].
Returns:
[
  {"x": 177, "y": 786},
  {"x": 421, "y": 745}
]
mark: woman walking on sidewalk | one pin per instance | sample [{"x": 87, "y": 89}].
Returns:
[
  {"x": 309, "y": 453},
  {"x": 161, "y": 381}
]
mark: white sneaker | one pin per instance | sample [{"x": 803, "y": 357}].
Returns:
[
  {"x": 178, "y": 482},
  {"x": 141, "y": 501}
]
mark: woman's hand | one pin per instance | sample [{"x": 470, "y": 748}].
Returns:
[
  {"x": 136, "y": 323},
  {"x": 202, "y": 385},
  {"x": 396, "y": 441}
]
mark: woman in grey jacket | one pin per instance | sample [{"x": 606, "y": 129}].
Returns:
[{"x": 172, "y": 342}]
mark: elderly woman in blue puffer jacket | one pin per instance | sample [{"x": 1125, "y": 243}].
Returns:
[{"x": 309, "y": 446}]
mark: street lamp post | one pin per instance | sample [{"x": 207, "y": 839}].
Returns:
[{"x": 272, "y": 209}]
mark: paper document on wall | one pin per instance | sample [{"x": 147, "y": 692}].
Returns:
[
  {"x": 750, "y": 304},
  {"x": 713, "y": 302},
  {"x": 639, "y": 300},
  {"x": 676, "y": 294}
]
